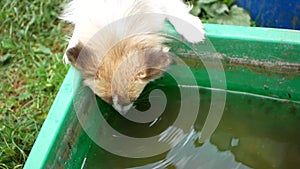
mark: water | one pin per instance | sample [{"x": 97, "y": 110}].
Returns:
[{"x": 254, "y": 132}]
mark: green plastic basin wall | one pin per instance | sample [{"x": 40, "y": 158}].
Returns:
[{"x": 261, "y": 61}]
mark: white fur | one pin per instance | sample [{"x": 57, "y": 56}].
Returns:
[
  {"x": 120, "y": 108},
  {"x": 90, "y": 16}
]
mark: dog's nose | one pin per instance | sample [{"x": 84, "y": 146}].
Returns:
[
  {"x": 122, "y": 108},
  {"x": 121, "y": 105}
]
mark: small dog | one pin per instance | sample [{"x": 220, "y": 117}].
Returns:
[{"x": 117, "y": 45}]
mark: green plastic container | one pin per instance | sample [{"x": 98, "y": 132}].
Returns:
[{"x": 260, "y": 61}]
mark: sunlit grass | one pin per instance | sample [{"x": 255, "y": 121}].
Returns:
[{"x": 32, "y": 41}]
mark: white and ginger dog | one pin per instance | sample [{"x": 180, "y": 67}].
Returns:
[{"x": 117, "y": 45}]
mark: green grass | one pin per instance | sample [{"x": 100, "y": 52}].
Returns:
[{"x": 32, "y": 42}]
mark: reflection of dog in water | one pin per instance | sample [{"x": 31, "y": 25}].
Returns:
[{"x": 128, "y": 52}]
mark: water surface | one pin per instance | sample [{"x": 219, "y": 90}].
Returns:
[{"x": 254, "y": 132}]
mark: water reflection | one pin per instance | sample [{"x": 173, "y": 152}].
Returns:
[
  {"x": 186, "y": 155},
  {"x": 254, "y": 132}
]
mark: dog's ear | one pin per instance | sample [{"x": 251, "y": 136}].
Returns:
[
  {"x": 155, "y": 61},
  {"x": 83, "y": 60},
  {"x": 73, "y": 53}
]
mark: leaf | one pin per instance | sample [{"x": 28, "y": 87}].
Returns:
[
  {"x": 236, "y": 16},
  {"x": 215, "y": 9},
  {"x": 207, "y": 1},
  {"x": 25, "y": 96},
  {"x": 43, "y": 49},
  {"x": 209, "y": 10},
  {"x": 228, "y": 2},
  {"x": 219, "y": 8},
  {"x": 5, "y": 58},
  {"x": 7, "y": 44},
  {"x": 195, "y": 11}
]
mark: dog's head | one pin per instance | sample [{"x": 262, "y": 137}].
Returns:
[{"x": 122, "y": 73}]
